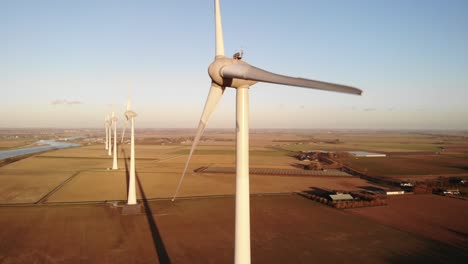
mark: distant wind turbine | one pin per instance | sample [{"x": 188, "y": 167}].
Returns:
[
  {"x": 233, "y": 72},
  {"x": 130, "y": 115},
  {"x": 114, "y": 123},
  {"x": 106, "y": 125}
]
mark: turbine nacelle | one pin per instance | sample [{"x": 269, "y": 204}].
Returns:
[
  {"x": 238, "y": 55},
  {"x": 215, "y": 71},
  {"x": 130, "y": 114}
]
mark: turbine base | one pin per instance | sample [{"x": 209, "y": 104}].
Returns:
[{"x": 131, "y": 209}]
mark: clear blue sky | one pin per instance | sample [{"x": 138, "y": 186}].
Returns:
[{"x": 64, "y": 63}]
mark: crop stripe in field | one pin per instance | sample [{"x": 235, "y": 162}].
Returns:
[
  {"x": 63, "y": 157},
  {"x": 194, "y": 197},
  {"x": 148, "y": 199},
  {"x": 45, "y": 197}
]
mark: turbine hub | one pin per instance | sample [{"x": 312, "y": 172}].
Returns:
[{"x": 214, "y": 70}]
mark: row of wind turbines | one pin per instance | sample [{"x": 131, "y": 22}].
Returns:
[
  {"x": 238, "y": 74},
  {"x": 110, "y": 123}
]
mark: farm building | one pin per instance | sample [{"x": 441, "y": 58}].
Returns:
[
  {"x": 366, "y": 154},
  {"x": 399, "y": 192},
  {"x": 341, "y": 197}
]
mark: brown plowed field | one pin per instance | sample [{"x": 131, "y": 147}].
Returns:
[
  {"x": 432, "y": 216},
  {"x": 285, "y": 229}
]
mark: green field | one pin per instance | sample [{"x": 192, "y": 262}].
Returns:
[
  {"x": 273, "y": 153},
  {"x": 6, "y": 144},
  {"x": 409, "y": 165},
  {"x": 206, "y": 152},
  {"x": 365, "y": 146}
]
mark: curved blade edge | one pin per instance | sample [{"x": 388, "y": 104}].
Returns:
[
  {"x": 214, "y": 96},
  {"x": 249, "y": 72}
]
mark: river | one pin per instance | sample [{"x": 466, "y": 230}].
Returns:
[{"x": 44, "y": 146}]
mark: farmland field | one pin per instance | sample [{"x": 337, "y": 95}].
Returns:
[
  {"x": 73, "y": 197},
  {"x": 285, "y": 229},
  {"x": 432, "y": 216},
  {"x": 410, "y": 165},
  {"x": 6, "y": 144}
]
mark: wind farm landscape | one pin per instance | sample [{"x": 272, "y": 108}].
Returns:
[
  {"x": 69, "y": 194},
  {"x": 368, "y": 166}
]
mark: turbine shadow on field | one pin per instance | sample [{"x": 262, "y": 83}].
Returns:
[
  {"x": 465, "y": 168},
  {"x": 161, "y": 251},
  {"x": 127, "y": 172},
  {"x": 297, "y": 165},
  {"x": 430, "y": 252},
  {"x": 372, "y": 188},
  {"x": 318, "y": 191}
]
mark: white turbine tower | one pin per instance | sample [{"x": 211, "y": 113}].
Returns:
[
  {"x": 114, "y": 122},
  {"x": 130, "y": 115},
  {"x": 226, "y": 72},
  {"x": 106, "y": 125},
  {"x": 109, "y": 132}
]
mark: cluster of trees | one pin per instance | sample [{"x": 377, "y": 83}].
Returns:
[
  {"x": 317, "y": 198},
  {"x": 359, "y": 203},
  {"x": 321, "y": 160}
]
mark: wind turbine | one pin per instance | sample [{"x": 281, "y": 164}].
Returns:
[
  {"x": 106, "y": 125},
  {"x": 114, "y": 122},
  {"x": 130, "y": 115},
  {"x": 233, "y": 72}
]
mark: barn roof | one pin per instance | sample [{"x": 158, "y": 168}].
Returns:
[{"x": 341, "y": 197}]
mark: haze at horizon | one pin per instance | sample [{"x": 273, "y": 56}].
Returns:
[{"x": 64, "y": 63}]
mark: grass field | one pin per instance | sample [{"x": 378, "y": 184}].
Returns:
[
  {"x": 410, "y": 165},
  {"x": 160, "y": 166},
  {"x": 6, "y": 144},
  {"x": 379, "y": 147}
]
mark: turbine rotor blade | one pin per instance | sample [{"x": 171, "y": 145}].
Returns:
[
  {"x": 128, "y": 109},
  {"x": 214, "y": 96},
  {"x": 123, "y": 132},
  {"x": 248, "y": 72},
  {"x": 128, "y": 98},
  {"x": 218, "y": 30}
]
